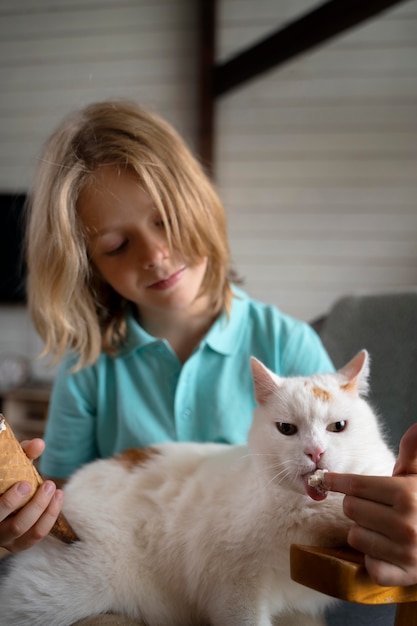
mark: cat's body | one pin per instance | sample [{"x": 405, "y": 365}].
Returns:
[{"x": 199, "y": 534}]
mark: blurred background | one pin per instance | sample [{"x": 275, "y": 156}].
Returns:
[{"x": 315, "y": 159}]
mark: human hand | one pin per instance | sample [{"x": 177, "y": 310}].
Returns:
[
  {"x": 384, "y": 512},
  {"x": 33, "y": 522}
]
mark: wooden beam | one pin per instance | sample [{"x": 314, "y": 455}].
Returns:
[
  {"x": 205, "y": 95},
  {"x": 328, "y": 20}
]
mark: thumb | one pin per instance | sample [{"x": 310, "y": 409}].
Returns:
[
  {"x": 33, "y": 448},
  {"x": 407, "y": 457}
]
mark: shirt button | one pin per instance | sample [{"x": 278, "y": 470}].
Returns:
[{"x": 186, "y": 414}]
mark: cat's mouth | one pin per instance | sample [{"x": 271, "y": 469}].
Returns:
[{"x": 313, "y": 488}]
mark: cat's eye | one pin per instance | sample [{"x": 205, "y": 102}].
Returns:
[
  {"x": 337, "y": 427},
  {"x": 286, "y": 429}
]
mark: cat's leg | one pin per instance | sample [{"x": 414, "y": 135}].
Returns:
[
  {"x": 299, "y": 619},
  {"x": 109, "y": 620},
  {"x": 239, "y": 612},
  {"x": 239, "y": 620}
]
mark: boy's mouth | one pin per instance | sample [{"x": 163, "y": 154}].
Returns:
[{"x": 170, "y": 281}]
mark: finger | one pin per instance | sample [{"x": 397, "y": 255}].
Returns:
[
  {"x": 381, "y": 546},
  {"x": 14, "y": 498},
  {"x": 33, "y": 448},
  {"x": 407, "y": 458},
  {"x": 18, "y": 524},
  {"x": 383, "y": 489},
  {"x": 388, "y": 563},
  {"x": 43, "y": 525},
  {"x": 373, "y": 516},
  {"x": 397, "y": 522},
  {"x": 397, "y": 492},
  {"x": 388, "y": 574},
  {"x": 372, "y": 543}
]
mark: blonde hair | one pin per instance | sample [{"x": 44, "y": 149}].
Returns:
[{"x": 71, "y": 307}]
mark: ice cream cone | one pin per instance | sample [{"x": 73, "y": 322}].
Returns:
[{"x": 16, "y": 467}]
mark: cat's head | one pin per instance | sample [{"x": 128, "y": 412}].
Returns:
[{"x": 316, "y": 422}]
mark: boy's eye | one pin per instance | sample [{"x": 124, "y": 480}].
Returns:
[
  {"x": 286, "y": 429},
  {"x": 160, "y": 223},
  {"x": 337, "y": 427},
  {"x": 117, "y": 250}
]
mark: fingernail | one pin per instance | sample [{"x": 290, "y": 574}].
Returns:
[
  {"x": 24, "y": 489},
  {"x": 49, "y": 487},
  {"x": 59, "y": 495}
]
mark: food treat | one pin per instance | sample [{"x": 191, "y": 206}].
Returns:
[
  {"x": 316, "y": 480},
  {"x": 15, "y": 467}
]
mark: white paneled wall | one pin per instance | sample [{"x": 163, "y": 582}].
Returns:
[
  {"x": 317, "y": 160},
  {"x": 57, "y": 55}
]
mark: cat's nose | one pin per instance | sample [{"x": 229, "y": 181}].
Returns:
[{"x": 315, "y": 455}]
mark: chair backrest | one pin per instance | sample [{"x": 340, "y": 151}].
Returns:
[{"x": 386, "y": 325}]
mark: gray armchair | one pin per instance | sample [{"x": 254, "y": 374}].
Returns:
[{"x": 386, "y": 325}]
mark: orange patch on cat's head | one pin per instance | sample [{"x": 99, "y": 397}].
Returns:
[
  {"x": 349, "y": 387},
  {"x": 321, "y": 394},
  {"x": 135, "y": 456}
]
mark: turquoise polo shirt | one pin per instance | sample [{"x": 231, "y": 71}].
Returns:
[{"x": 145, "y": 395}]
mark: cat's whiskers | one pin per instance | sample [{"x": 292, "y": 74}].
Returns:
[
  {"x": 267, "y": 469},
  {"x": 282, "y": 470},
  {"x": 245, "y": 456},
  {"x": 262, "y": 472}
]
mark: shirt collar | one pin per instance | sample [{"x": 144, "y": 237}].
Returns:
[
  {"x": 224, "y": 335},
  {"x": 137, "y": 337}
]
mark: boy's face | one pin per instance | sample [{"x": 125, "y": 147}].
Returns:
[{"x": 128, "y": 246}]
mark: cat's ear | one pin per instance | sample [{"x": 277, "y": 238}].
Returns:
[
  {"x": 357, "y": 373},
  {"x": 263, "y": 381}
]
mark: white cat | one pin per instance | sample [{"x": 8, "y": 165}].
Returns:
[{"x": 199, "y": 534}]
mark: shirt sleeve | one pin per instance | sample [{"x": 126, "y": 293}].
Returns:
[
  {"x": 302, "y": 351},
  {"x": 71, "y": 423}
]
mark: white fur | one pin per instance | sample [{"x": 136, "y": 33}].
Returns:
[{"x": 200, "y": 533}]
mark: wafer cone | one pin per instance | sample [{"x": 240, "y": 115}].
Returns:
[{"x": 16, "y": 467}]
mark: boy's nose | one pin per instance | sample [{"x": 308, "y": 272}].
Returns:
[{"x": 153, "y": 253}]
